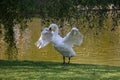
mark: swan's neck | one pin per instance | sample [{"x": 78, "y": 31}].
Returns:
[
  {"x": 56, "y": 32},
  {"x": 56, "y": 37}
]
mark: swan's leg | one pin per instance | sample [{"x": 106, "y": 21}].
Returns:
[
  {"x": 63, "y": 59},
  {"x": 69, "y": 60}
]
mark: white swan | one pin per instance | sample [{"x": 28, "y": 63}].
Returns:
[{"x": 62, "y": 45}]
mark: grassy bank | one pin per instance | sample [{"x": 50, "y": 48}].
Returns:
[{"x": 29, "y": 70}]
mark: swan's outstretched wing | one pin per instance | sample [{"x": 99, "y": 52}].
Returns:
[
  {"x": 45, "y": 38},
  {"x": 73, "y": 37}
]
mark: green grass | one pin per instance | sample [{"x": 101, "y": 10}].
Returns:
[{"x": 31, "y": 70}]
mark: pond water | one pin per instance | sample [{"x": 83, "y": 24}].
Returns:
[{"x": 103, "y": 48}]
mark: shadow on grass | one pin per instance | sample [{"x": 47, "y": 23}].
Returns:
[
  {"x": 46, "y": 64},
  {"x": 56, "y": 71}
]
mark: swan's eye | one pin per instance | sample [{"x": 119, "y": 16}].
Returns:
[{"x": 50, "y": 29}]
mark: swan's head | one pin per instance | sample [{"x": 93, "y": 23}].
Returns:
[{"x": 53, "y": 27}]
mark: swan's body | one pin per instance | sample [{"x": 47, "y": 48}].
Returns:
[{"x": 62, "y": 45}]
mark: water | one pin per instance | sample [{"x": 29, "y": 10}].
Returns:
[{"x": 103, "y": 48}]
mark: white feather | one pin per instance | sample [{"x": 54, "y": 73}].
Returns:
[
  {"x": 73, "y": 37},
  {"x": 45, "y": 38}
]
